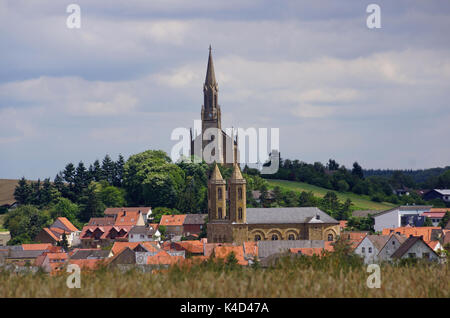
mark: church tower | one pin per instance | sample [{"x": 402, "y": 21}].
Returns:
[
  {"x": 211, "y": 117},
  {"x": 237, "y": 196},
  {"x": 216, "y": 196}
]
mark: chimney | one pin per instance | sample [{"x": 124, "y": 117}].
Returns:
[{"x": 317, "y": 216}]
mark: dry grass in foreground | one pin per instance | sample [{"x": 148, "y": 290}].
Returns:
[{"x": 287, "y": 280}]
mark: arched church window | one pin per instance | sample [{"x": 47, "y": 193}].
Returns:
[
  {"x": 257, "y": 237},
  {"x": 274, "y": 237},
  {"x": 330, "y": 237},
  {"x": 220, "y": 213},
  {"x": 239, "y": 193},
  {"x": 291, "y": 237},
  {"x": 240, "y": 213},
  {"x": 219, "y": 193}
]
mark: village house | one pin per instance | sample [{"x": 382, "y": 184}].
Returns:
[
  {"x": 129, "y": 218},
  {"x": 400, "y": 216},
  {"x": 415, "y": 247},
  {"x": 174, "y": 224},
  {"x": 392, "y": 244},
  {"x": 102, "y": 236},
  {"x": 353, "y": 237},
  {"x": 370, "y": 247},
  {"x": 193, "y": 224},
  {"x": 145, "y": 211},
  {"x": 54, "y": 233},
  {"x": 436, "y": 215},
  {"x": 143, "y": 233},
  {"x": 442, "y": 194}
]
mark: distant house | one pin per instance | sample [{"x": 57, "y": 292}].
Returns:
[
  {"x": 364, "y": 213},
  {"x": 354, "y": 238},
  {"x": 443, "y": 194},
  {"x": 128, "y": 218},
  {"x": 101, "y": 221},
  {"x": 174, "y": 224},
  {"x": 193, "y": 224},
  {"x": 102, "y": 236},
  {"x": 435, "y": 216},
  {"x": 54, "y": 233},
  {"x": 54, "y": 262},
  {"x": 392, "y": 244},
  {"x": 89, "y": 253},
  {"x": 370, "y": 247},
  {"x": 400, "y": 216},
  {"x": 143, "y": 233},
  {"x": 146, "y": 212},
  {"x": 415, "y": 247}
]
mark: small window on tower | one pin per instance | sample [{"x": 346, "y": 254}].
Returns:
[
  {"x": 240, "y": 213},
  {"x": 220, "y": 213},
  {"x": 239, "y": 193},
  {"x": 219, "y": 193}
]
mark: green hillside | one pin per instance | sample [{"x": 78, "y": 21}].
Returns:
[{"x": 360, "y": 202}]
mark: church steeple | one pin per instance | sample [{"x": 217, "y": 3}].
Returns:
[
  {"x": 211, "y": 109},
  {"x": 210, "y": 79}
]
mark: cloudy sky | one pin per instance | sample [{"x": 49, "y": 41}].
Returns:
[{"x": 134, "y": 71}]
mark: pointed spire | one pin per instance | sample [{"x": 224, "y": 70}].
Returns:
[
  {"x": 236, "y": 175},
  {"x": 210, "y": 75},
  {"x": 216, "y": 175}
]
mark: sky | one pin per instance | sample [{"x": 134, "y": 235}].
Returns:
[{"x": 134, "y": 72}]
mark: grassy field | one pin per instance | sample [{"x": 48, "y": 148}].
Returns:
[
  {"x": 293, "y": 281},
  {"x": 360, "y": 202}
]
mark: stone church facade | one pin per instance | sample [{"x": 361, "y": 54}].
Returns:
[{"x": 230, "y": 221}]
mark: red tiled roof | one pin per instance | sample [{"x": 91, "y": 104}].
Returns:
[
  {"x": 434, "y": 214},
  {"x": 224, "y": 251},
  {"x": 308, "y": 251},
  {"x": 128, "y": 218},
  {"x": 424, "y": 231},
  {"x": 164, "y": 258},
  {"x": 251, "y": 248},
  {"x": 105, "y": 231},
  {"x": 172, "y": 220},
  {"x": 36, "y": 247},
  {"x": 68, "y": 224},
  {"x": 119, "y": 246},
  {"x": 51, "y": 234}
]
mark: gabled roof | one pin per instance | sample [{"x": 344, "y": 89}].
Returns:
[
  {"x": 128, "y": 218},
  {"x": 51, "y": 234},
  {"x": 288, "y": 215},
  {"x": 378, "y": 240},
  {"x": 87, "y": 264},
  {"x": 67, "y": 224},
  {"x": 405, "y": 208},
  {"x": 406, "y": 246},
  {"x": 119, "y": 246},
  {"x": 194, "y": 219},
  {"x": 172, "y": 220},
  {"x": 142, "y": 229},
  {"x": 443, "y": 191},
  {"x": 89, "y": 254}
]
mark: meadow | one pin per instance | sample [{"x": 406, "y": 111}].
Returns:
[
  {"x": 360, "y": 202},
  {"x": 291, "y": 279}
]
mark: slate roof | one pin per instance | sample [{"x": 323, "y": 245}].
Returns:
[
  {"x": 24, "y": 254},
  {"x": 195, "y": 219},
  {"x": 378, "y": 240},
  {"x": 404, "y": 248},
  {"x": 443, "y": 191},
  {"x": 142, "y": 229},
  {"x": 101, "y": 221},
  {"x": 287, "y": 215},
  {"x": 89, "y": 254},
  {"x": 266, "y": 248},
  {"x": 114, "y": 211}
]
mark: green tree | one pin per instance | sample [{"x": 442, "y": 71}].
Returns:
[
  {"x": 23, "y": 192},
  {"x": 91, "y": 204},
  {"x": 63, "y": 207},
  {"x": 357, "y": 170},
  {"x": 445, "y": 219},
  {"x": 342, "y": 186},
  {"x": 427, "y": 222},
  {"x": 112, "y": 196},
  {"x": 25, "y": 222},
  {"x": 150, "y": 178},
  {"x": 119, "y": 166},
  {"x": 108, "y": 169}
]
